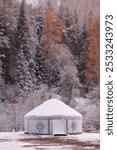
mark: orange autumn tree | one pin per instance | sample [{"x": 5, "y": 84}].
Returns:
[
  {"x": 51, "y": 43},
  {"x": 57, "y": 30},
  {"x": 52, "y": 33},
  {"x": 47, "y": 32},
  {"x": 92, "y": 67}
]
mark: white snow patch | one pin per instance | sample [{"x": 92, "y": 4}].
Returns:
[
  {"x": 14, "y": 145},
  {"x": 86, "y": 137},
  {"x": 81, "y": 102},
  {"x": 21, "y": 135},
  {"x": 88, "y": 148},
  {"x": 17, "y": 136},
  {"x": 66, "y": 147}
]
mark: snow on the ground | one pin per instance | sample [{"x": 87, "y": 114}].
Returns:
[
  {"x": 18, "y": 145},
  {"x": 88, "y": 148},
  {"x": 86, "y": 137},
  {"x": 20, "y": 135},
  {"x": 66, "y": 147},
  {"x": 18, "y": 141},
  {"x": 14, "y": 135},
  {"x": 14, "y": 145}
]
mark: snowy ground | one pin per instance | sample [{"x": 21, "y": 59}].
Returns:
[{"x": 21, "y": 141}]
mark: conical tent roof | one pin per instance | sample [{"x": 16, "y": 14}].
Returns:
[{"x": 51, "y": 108}]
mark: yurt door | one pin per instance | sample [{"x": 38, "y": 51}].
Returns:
[{"x": 59, "y": 127}]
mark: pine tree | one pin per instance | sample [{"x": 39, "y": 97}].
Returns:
[
  {"x": 23, "y": 53},
  {"x": 1, "y": 78},
  {"x": 80, "y": 59},
  {"x": 36, "y": 24},
  {"x": 5, "y": 39},
  {"x": 39, "y": 25},
  {"x": 23, "y": 33},
  {"x": 10, "y": 18},
  {"x": 41, "y": 68},
  {"x": 76, "y": 39},
  {"x": 65, "y": 15},
  {"x": 23, "y": 75}
]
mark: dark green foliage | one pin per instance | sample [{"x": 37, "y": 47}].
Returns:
[
  {"x": 39, "y": 26},
  {"x": 40, "y": 68},
  {"x": 5, "y": 41},
  {"x": 22, "y": 46},
  {"x": 77, "y": 41},
  {"x": 45, "y": 74},
  {"x": 22, "y": 35}
]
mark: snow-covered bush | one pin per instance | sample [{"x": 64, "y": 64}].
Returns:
[
  {"x": 13, "y": 113},
  {"x": 89, "y": 107}
]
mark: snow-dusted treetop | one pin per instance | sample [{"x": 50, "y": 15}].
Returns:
[{"x": 52, "y": 108}]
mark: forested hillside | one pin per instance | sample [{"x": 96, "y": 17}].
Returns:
[{"x": 49, "y": 50}]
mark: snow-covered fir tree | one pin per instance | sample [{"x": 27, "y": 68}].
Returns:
[
  {"x": 23, "y": 53},
  {"x": 76, "y": 38},
  {"x": 22, "y": 34},
  {"x": 2, "y": 81},
  {"x": 1, "y": 78},
  {"x": 80, "y": 59},
  {"x": 39, "y": 25},
  {"x": 23, "y": 74},
  {"x": 5, "y": 38},
  {"x": 41, "y": 68}
]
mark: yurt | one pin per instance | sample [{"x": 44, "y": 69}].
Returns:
[{"x": 53, "y": 117}]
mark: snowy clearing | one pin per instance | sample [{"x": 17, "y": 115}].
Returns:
[{"x": 21, "y": 141}]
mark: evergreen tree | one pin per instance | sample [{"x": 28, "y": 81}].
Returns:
[
  {"x": 76, "y": 39},
  {"x": 23, "y": 53},
  {"x": 41, "y": 69},
  {"x": 4, "y": 39},
  {"x": 39, "y": 24},
  {"x": 1, "y": 78},
  {"x": 23, "y": 75},
  {"x": 23, "y": 33},
  {"x": 10, "y": 57},
  {"x": 80, "y": 59},
  {"x": 65, "y": 15}
]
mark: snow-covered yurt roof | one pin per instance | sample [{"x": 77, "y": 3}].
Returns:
[{"x": 52, "y": 108}]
